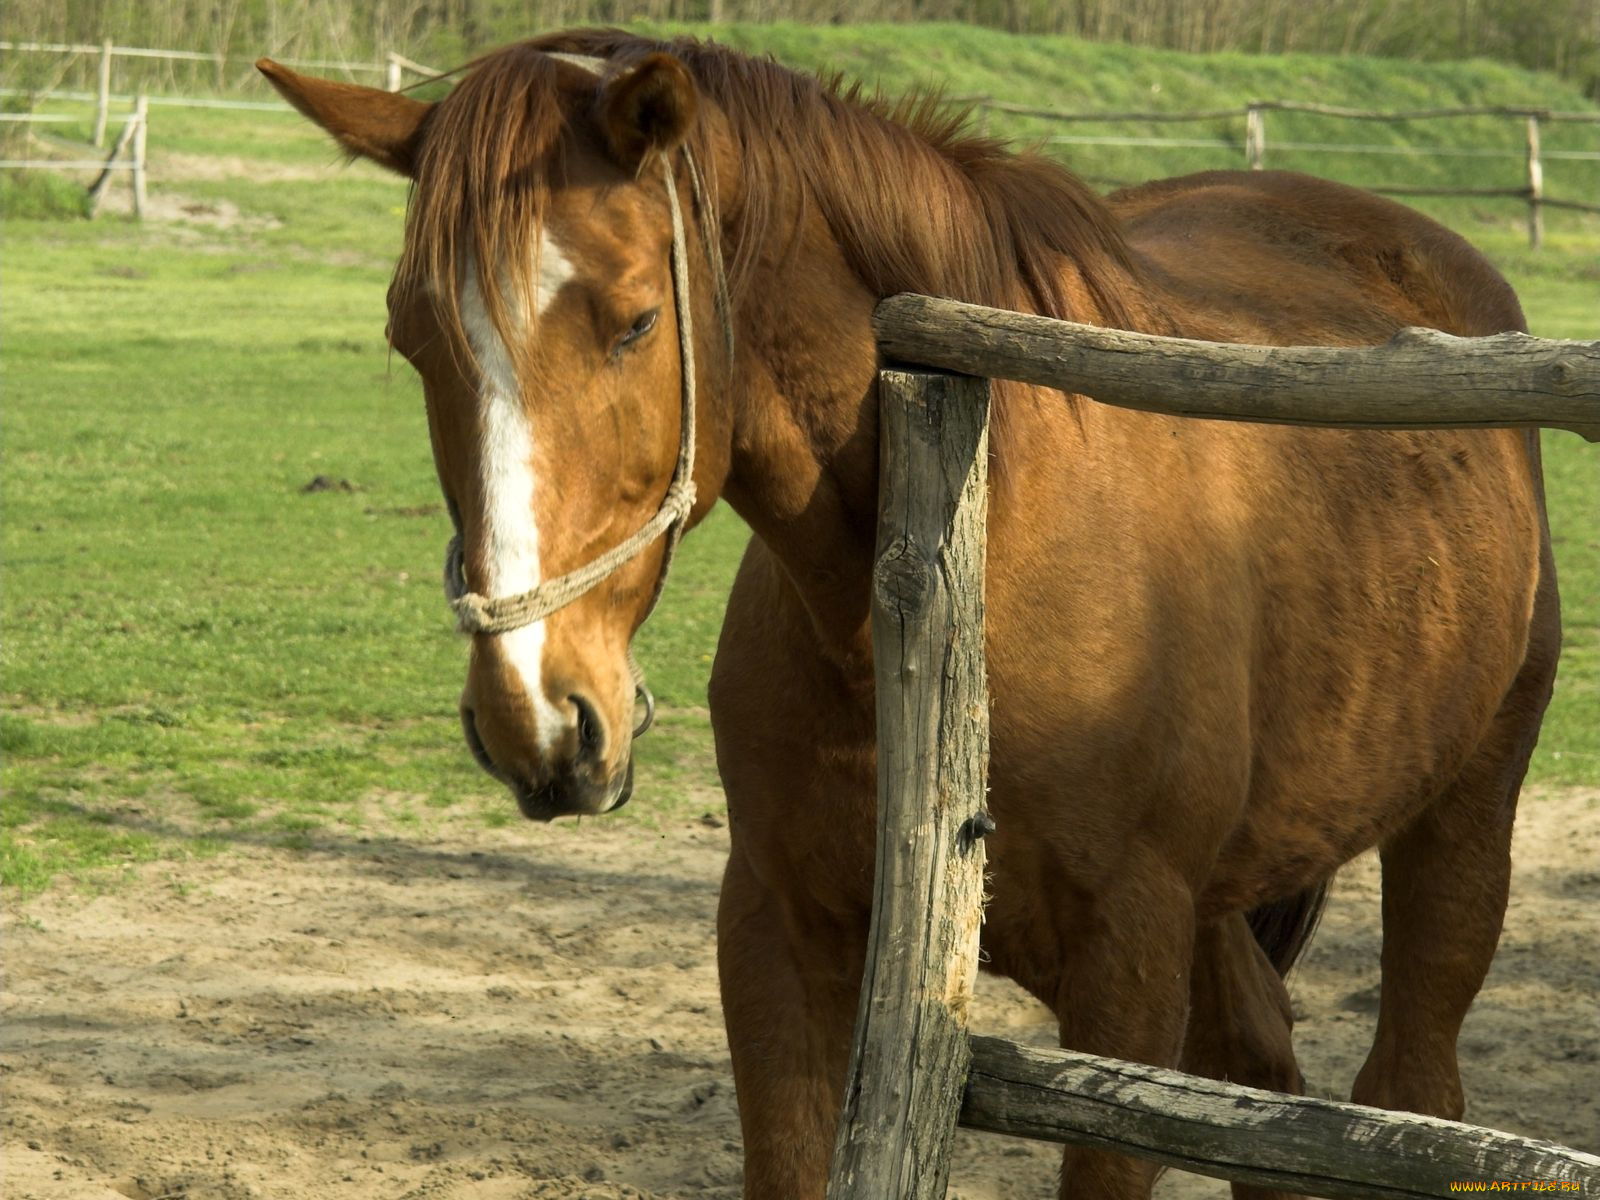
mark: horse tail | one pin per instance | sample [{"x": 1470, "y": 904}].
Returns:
[{"x": 1283, "y": 928}]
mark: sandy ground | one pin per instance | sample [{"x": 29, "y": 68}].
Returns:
[{"x": 459, "y": 1013}]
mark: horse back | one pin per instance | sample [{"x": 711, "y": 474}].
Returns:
[
  {"x": 1379, "y": 590},
  {"x": 1273, "y": 257}
]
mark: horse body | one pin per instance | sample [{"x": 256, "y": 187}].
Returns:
[{"x": 1223, "y": 659}]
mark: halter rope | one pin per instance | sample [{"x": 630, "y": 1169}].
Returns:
[{"x": 476, "y": 613}]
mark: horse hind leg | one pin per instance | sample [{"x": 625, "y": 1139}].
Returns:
[
  {"x": 1123, "y": 991},
  {"x": 1445, "y": 883},
  {"x": 1240, "y": 1019}
]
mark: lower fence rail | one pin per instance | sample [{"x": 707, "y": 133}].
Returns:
[{"x": 1296, "y": 1143}]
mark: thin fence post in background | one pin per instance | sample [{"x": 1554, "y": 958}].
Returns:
[
  {"x": 1255, "y": 137},
  {"x": 141, "y": 117},
  {"x": 124, "y": 139},
  {"x": 391, "y": 73},
  {"x": 1535, "y": 186},
  {"x": 102, "y": 110}
]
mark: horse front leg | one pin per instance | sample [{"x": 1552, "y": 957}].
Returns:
[{"x": 790, "y": 983}]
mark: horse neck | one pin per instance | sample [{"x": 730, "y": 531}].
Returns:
[{"x": 803, "y": 470}]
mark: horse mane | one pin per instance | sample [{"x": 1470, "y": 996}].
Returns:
[
  {"x": 967, "y": 217},
  {"x": 478, "y": 190}
]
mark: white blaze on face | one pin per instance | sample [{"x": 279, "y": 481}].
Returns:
[{"x": 511, "y": 530}]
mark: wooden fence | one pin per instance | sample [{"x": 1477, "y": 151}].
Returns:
[
  {"x": 914, "y": 1070},
  {"x": 1255, "y": 143},
  {"x": 393, "y": 70},
  {"x": 128, "y": 153}
]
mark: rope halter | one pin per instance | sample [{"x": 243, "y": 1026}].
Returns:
[{"x": 476, "y": 613}]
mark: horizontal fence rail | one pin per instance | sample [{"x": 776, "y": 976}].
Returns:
[
  {"x": 1297, "y": 1143},
  {"x": 163, "y": 101},
  {"x": 1241, "y": 110},
  {"x": 1255, "y": 142},
  {"x": 1419, "y": 379},
  {"x": 323, "y": 64},
  {"x": 393, "y": 68}
]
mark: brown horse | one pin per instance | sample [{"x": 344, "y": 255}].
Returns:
[{"x": 1224, "y": 658}]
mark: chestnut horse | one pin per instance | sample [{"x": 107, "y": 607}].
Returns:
[{"x": 1224, "y": 658}]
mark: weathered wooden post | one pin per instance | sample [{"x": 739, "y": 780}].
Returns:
[
  {"x": 1255, "y": 137},
  {"x": 141, "y": 119},
  {"x": 102, "y": 106},
  {"x": 124, "y": 140},
  {"x": 909, "y": 1063},
  {"x": 1535, "y": 185}
]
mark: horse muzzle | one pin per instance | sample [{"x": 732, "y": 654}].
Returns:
[
  {"x": 570, "y": 785},
  {"x": 574, "y": 796}
]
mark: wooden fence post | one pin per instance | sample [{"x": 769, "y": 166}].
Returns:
[
  {"x": 1535, "y": 186},
  {"x": 124, "y": 139},
  {"x": 141, "y": 117},
  {"x": 909, "y": 1063},
  {"x": 102, "y": 108},
  {"x": 391, "y": 73},
  {"x": 1255, "y": 137}
]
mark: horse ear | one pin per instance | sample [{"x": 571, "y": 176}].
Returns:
[
  {"x": 382, "y": 126},
  {"x": 652, "y": 107}
]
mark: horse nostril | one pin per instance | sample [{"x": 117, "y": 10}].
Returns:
[{"x": 591, "y": 734}]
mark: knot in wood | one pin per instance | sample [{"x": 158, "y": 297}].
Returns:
[
  {"x": 1558, "y": 376},
  {"x": 904, "y": 576}
]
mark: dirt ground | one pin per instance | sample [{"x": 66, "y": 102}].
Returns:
[{"x": 475, "y": 1014}]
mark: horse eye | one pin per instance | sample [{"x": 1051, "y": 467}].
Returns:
[{"x": 645, "y": 323}]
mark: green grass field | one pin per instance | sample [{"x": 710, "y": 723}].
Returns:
[{"x": 197, "y": 652}]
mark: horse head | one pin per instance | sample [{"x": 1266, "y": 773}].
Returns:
[{"x": 535, "y": 297}]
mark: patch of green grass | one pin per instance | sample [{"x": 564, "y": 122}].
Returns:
[
  {"x": 197, "y": 653},
  {"x": 184, "y": 624},
  {"x": 41, "y": 196}
]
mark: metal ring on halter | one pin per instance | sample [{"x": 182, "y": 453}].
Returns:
[{"x": 649, "y": 718}]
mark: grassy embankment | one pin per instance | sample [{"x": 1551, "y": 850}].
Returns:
[{"x": 195, "y": 651}]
